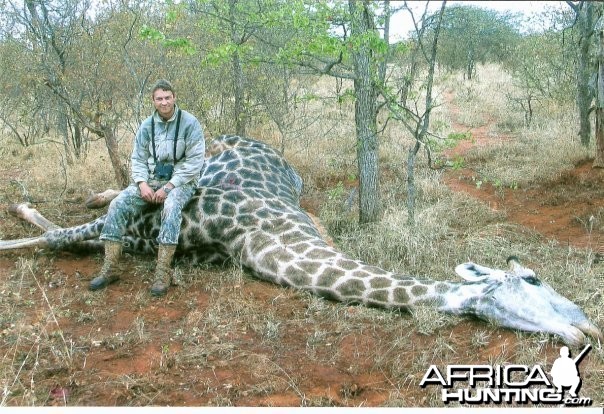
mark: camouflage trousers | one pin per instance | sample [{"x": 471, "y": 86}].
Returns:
[{"x": 128, "y": 204}]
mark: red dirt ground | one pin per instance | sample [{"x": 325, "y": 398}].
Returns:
[
  {"x": 559, "y": 209},
  {"x": 154, "y": 372}
]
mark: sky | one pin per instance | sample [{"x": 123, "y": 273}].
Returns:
[
  {"x": 515, "y": 6},
  {"x": 401, "y": 23}
]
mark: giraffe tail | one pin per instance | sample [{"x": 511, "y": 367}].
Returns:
[{"x": 39, "y": 241}]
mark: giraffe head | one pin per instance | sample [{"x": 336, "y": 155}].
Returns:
[{"x": 516, "y": 298}]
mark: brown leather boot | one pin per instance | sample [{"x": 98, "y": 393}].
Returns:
[
  {"x": 163, "y": 272},
  {"x": 109, "y": 272}
]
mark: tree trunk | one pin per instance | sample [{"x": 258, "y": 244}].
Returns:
[
  {"x": 422, "y": 131},
  {"x": 470, "y": 65},
  {"x": 411, "y": 192},
  {"x": 63, "y": 127},
  {"x": 385, "y": 59},
  {"x": 599, "y": 158},
  {"x": 120, "y": 171},
  {"x": 365, "y": 116},
  {"x": 239, "y": 112},
  {"x": 238, "y": 77},
  {"x": 584, "y": 95}
]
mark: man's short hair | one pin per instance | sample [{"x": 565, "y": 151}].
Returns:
[{"x": 164, "y": 85}]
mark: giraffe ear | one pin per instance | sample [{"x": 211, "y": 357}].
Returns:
[
  {"x": 517, "y": 269},
  {"x": 476, "y": 273},
  {"x": 514, "y": 264}
]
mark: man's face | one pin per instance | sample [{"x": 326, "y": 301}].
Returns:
[{"x": 164, "y": 103}]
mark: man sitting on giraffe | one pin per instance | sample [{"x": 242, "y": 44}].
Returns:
[{"x": 167, "y": 159}]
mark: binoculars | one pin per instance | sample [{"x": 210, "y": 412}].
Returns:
[{"x": 163, "y": 171}]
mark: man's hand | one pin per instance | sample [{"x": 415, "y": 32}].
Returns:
[
  {"x": 147, "y": 192},
  {"x": 160, "y": 195}
]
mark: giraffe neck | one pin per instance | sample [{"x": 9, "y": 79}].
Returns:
[{"x": 314, "y": 266}]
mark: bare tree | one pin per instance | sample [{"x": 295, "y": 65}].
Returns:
[
  {"x": 416, "y": 117},
  {"x": 81, "y": 70},
  {"x": 237, "y": 22},
  {"x": 587, "y": 14},
  {"x": 599, "y": 158}
]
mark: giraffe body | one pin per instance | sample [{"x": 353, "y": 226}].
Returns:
[{"x": 247, "y": 210}]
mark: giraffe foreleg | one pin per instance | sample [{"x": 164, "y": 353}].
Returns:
[
  {"x": 25, "y": 212},
  {"x": 79, "y": 238}
]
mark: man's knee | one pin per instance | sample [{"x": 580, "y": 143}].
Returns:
[
  {"x": 122, "y": 198},
  {"x": 169, "y": 206},
  {"x": 117, "y": 203},
  {"x": 177, "y": 200}
]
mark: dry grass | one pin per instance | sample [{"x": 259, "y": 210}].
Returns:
[
  {"x": 225, "y": 339},
  {"x": 537, "y": 154}
]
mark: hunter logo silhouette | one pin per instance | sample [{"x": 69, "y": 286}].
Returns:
[
  {"x": 511, "y": 383},
  {"x": 565, "y": 371}
]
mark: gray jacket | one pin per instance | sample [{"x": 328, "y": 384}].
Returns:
[{"x": 190, "y": 148}]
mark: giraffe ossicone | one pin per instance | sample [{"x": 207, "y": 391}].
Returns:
[{"x": 247, "y": 210}]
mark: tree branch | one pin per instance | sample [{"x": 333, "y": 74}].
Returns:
[{"x": 84, "y": 119}]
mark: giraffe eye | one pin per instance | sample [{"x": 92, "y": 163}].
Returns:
[{"x": 532, "y": 280}]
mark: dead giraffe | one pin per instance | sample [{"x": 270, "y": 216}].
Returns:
[{"x": 247, "y": 210}]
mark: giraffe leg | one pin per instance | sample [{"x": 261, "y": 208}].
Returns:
[
  {"x": 25, "y": 212},
  {"x": 33, "y": 216},
  {"x": 99, "y": 200},
  {"x": 23, "y": 243}
]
